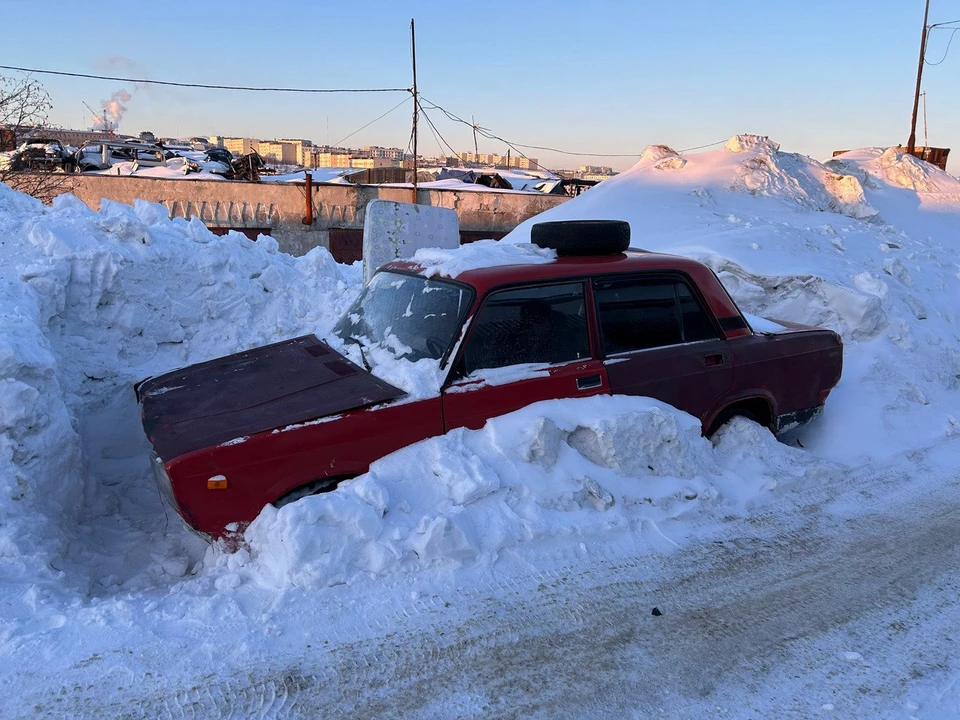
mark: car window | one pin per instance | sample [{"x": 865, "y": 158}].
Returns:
[
  {"x": 412, "y": 316},
  {"x": 639, "y": 314},
  {"x": 544, "y": 324}
]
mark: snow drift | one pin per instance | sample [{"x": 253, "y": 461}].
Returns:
[
  {"x": 571, "y": 470},
  {"x": 93, "y": 302}
]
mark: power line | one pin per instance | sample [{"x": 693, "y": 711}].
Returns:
[
  {"x": 485, "y": 132},
  {"x": 203, "y": 85},
  {"x": 947, "y": 48},
  {"x": 701, "y": 147},
  {"x": 440, "y": 137},
  {"x": 337, "y": 144}
]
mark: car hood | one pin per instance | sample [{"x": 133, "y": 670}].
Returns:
[{"x": 290, "y": 382}]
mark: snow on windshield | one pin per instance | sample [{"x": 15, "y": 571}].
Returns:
[{"x": 402, "y": 326}]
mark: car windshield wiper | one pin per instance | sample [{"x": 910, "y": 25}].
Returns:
[{"x": 359, "y": 343}]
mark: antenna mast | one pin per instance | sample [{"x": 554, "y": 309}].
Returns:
[{"x": 416, "y": 107}]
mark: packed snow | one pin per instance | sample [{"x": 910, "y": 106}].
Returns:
[
  {"x": 509, "y": 571},
  {"x": 480, "y": 254}
]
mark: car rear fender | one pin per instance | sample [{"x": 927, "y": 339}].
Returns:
[{"x": 758, "y": 405}]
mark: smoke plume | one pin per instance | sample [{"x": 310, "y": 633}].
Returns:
[{"x": 113, "y": 110}]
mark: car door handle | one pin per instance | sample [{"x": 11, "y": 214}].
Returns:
[
  {"x": 713, "y": 359},
  {"x": 589, "y": 383}
]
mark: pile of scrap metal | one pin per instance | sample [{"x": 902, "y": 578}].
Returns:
[
  {"x": 248, "y": 167},
  {"x": 220, "y": 161},
  {"x": 474, "y": 177},
  {"x": 38, "y": 153},
  {"x": 102, "y": 155}
]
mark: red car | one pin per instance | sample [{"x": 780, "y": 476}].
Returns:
[{"x": 278, "y": 422}]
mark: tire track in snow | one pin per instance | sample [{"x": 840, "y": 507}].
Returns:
[{"x": 582, "y": 638}]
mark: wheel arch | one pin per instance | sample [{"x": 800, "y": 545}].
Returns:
[{"x": 758, "y": 406}]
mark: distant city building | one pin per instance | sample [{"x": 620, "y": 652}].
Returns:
[
  {"x": 595, "y": 173},
  {"x": 71, "y": 137},
  {"x": 241, "y": 145},
  {"x": 271, "y": 151},
  {"x": 596, "y": 170},
  {"x": 502, "y": 161},
  {"x": 295, "y": 150},
  {"x": 373, "y": 162},
  {"x": 374, "y": 151}
]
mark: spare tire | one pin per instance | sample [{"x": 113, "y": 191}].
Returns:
[{"x": 582, "y": 237}]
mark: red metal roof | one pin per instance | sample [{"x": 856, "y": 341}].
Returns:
[
  {"x": 486, "y": 278},
  {"x": 568, "y": 266}
]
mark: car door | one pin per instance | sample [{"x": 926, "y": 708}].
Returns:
[
  {"x": 659, "y": 340},
  {"x": 526, "y": 344}
]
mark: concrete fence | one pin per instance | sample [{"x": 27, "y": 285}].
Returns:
[{"x": 278, "y": 209}]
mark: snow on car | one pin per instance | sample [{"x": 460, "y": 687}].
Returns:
[{"x": 273, "y": 424}]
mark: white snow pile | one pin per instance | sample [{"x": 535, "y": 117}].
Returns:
[
  {"x": 865, "y": 244},
  {"x": 91, "y": 303},
  {"x": 574, "y": 471}
]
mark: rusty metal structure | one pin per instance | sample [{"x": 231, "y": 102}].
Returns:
[{"x": 933, "y": 155}]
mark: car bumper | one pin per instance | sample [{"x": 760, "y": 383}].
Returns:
[{"x": 165, "y": 486}]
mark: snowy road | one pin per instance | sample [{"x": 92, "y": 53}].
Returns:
[{"x": 805, "y": 607}]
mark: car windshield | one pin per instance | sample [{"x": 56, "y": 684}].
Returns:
[{"x": 411, "y": 316}]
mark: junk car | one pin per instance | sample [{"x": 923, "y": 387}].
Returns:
[{"x": 274, "y": 423}]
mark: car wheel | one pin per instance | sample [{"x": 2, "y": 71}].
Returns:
[
  {"x": 582, "y": 237},
  {"x": 313, "y": 488}
]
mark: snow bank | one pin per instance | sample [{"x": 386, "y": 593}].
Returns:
[
  {"x": 91, "y": 303},
  {"x": 558, "y": 470},
  {"x": 864, "y": 244}
]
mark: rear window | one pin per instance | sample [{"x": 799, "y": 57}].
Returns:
[{"x": 645, "y": 313}]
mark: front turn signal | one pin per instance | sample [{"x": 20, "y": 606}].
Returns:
[{"x": 217, "y": 482}]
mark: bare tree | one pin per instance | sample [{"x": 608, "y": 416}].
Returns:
[{"x": 24, "y": 104}]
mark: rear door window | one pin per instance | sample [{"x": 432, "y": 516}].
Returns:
[
  {"x": 545, "y": 324},
  {"x": 643, "y": 313}
]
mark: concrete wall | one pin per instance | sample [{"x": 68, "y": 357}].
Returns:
[{"x": 281, "y": 207}]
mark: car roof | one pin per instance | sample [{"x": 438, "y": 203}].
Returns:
[
  {"x": 122, "y": 144},
  {"x": 633, "y": 260}
]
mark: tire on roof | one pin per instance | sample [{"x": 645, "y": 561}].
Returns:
[{"x": 582, "y": 237}]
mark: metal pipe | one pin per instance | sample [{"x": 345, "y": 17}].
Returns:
[{"x": 308, "y": 185}]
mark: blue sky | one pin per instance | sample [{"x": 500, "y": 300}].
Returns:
[{"x": 589, "y": 76}]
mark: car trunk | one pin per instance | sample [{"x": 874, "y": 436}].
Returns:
[{"x": 286, "y": 383}]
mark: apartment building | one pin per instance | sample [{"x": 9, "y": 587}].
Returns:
[
  {"x": 373, "y": 162},
  {"x": 375, "y": 151},
  {"x": 507, "y": 161},
  {"x": 295, "y": 151},
  {"x": 271, "y": 151},
  {"x": 241, "y": 146}
]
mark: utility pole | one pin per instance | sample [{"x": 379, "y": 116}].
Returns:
[
  {"x": 416, "y": 107},
  {"x": 476, "y": 151},
  {"x": 912, "y": 142},
  {"x": 926, "y": 140}
]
